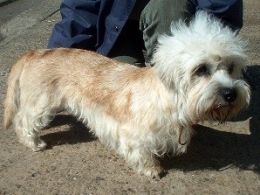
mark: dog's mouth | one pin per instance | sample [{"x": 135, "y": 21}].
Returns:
[
  {"x": 221, "y": 112},
  {"x": 220, "y": 106}
]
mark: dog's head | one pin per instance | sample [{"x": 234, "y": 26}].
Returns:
[{"x": 202, "y": 63}]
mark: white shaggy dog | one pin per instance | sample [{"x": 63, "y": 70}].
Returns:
[{"x": 142, "y": 113}]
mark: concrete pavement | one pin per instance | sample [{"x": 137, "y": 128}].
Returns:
[{"x": 20, "y": 15}]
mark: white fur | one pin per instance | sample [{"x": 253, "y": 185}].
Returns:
[{"x": 204, "y": 40}]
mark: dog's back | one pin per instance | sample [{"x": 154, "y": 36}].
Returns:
[{"x": 66, "y": 76}]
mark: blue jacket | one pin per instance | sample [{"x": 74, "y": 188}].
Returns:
[{"x": 96, "y": 24}]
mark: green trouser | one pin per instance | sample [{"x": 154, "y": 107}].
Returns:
[{"x": 139, "y": 37}]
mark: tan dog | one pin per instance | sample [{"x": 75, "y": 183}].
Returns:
[{"x": 142, "y": 113}]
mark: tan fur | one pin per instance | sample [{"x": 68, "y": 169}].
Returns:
[{"x": 76, "y": 80}]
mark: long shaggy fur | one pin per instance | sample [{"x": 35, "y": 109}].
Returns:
[{"x": 142, "y": 113}]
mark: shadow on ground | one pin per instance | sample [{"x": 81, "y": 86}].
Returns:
[
  {"x": 209, "y": 149},
  {"x": 76, "y": 133},
  {"x": 217, "y": 150}
]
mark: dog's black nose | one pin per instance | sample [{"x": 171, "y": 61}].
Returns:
[{"x": 229, "y": 94}]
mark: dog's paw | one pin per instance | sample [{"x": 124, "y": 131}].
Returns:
[
  {"x": 36, "y": 144},
  {"x": 155, "y": 172},
  {"x": 39, "y": 146}
]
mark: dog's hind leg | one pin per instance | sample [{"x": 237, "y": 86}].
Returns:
[{"x": 27, "y": 126}]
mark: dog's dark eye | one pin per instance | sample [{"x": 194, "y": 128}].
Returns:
[
  {"x": 230, "y": 68},
  {"x": 202, "y": 71}
]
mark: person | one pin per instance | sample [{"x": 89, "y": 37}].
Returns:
[{"x": 128, "y": 29}]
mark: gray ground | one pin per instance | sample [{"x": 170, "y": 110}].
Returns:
[{"x": 220, "y": 160}]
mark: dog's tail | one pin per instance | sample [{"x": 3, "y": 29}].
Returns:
[{"x": 12, "y": 100}]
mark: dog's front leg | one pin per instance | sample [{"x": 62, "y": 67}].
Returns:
[
  {"x": 151, "y": 167},
  {"x": 144, "y": 162}
]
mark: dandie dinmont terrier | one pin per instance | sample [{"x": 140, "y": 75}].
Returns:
[{"x": 142, "y": 113}]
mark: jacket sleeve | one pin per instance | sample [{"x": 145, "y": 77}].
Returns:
[
  {"x": 77, "y": 29},
  {"x": 229, "y": 11}
]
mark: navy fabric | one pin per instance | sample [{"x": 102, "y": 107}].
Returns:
[
  {"x": 96, "y": 24},
  {"x": 78, "y": 27},
  {"x": 229, "y": 11},
  {"x": 90, "y": 24}
]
